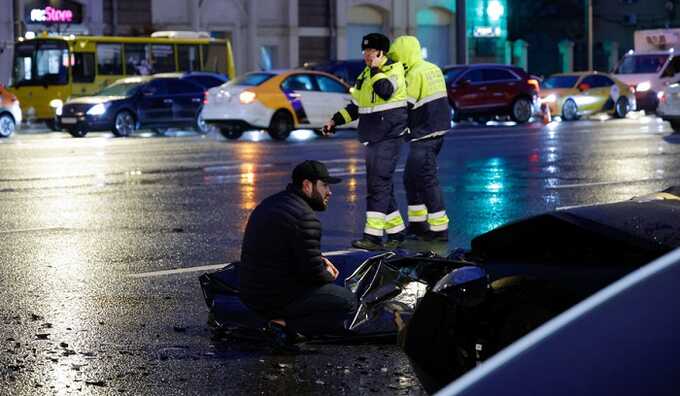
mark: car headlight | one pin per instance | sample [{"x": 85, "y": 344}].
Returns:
[
  {"x": 552, "y": 98},
  {"x": 56, "y": 104},
  {"x": 643, "y": 86},
  {"x": 247, "y": 97},
  {"x": 97, "y": 109}
]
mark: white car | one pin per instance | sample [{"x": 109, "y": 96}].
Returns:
[
  {"x": 669, "y": 106},
  {"x": 277, "y": 101},
  {"x": 10, "y": 113}
]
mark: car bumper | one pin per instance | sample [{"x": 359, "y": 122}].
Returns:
[
  {"x": 86, "y": 122},
  {"x": 250, "y": 116}
]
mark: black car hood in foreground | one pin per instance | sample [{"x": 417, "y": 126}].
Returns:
[{"x": 538, "y": 268}]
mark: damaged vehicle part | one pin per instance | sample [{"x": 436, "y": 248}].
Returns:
[
  {"x": 388, "y": 286},
  {"x": 537, "y": 268}
]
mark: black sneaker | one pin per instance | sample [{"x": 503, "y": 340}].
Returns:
[
  {"x": 416, "y": 230},
  {"x": 280, "y": 339},
  {"x": 368, "y": 242},
  {"x": 437, "y": 236},
  {"x": 394, "y": 240}
]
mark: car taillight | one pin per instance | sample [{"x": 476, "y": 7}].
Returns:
[
  {"x": 661, "y": 95},
  {"x": 632, "y": 88},
  {"x": 535, "y": 84},
  {"x": 205, "y": 97}
]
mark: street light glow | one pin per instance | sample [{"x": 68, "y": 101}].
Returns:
[{"x": 495, "y": 10}]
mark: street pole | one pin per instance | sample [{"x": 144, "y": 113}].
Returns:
[
  {"x": 589, "y": 32},
  {"x": 461, "y": 34}
]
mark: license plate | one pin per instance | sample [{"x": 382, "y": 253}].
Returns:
[{"x": 69, "y": 120}]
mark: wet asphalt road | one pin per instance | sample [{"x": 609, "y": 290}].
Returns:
[{"x": 88, "y": 224}]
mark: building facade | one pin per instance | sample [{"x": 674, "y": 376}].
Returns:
[
  {"x": 288, "y": 33},
  {"x": 269, "y": 33}
]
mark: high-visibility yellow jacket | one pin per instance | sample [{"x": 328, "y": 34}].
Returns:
[
  {"x": 379, "y": 102},
  {"x": 429, "y": 113}
]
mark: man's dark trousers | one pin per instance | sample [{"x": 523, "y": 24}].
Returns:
[
  {"x": 420, "y": 175},
  {"x": 320, "y": 311}
]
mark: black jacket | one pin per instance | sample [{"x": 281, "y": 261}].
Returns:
[{"x": 281, "y": 252}]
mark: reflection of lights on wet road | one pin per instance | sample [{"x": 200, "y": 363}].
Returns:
[
  {"x": 494, "y": 187},
  {"x": 302, "y": 135},
  {"x": 248, "y": 186}
]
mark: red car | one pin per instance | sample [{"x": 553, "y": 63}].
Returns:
[{"x": 485, "y": 91}]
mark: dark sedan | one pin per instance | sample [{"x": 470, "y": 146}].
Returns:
[
  {"x": 133, "y": 103},
  {"x": 486, "y": 91}
]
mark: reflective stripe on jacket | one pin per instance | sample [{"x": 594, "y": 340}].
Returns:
[{"x": 379, "y": 102}]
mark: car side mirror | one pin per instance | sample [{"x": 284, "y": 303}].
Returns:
[
  {"x": 147, "y": 92},
  {"x": 464, "y": 83},
  {"x": 583, "y": 87}
]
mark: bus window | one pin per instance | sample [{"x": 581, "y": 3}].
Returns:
[
  {"x": 163, "y": 56},
  {"x": 51, "y": 60},
  {"x": 23, "y": 63},
  {"x": 109, "y": 59},
  {"x": 138, "y": 59},
  {"x": 83, "y": 67},
  {"x": 188, "y": 58},
  {"x": 214, "y": 58}
]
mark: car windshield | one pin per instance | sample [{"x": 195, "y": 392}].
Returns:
[
  {"x": 120, "y": 89},
  {"x": 40, "y": 63},
  {"x": 251, "y": 79},
  {"x": 641, "y": 64},
  {"x": 560, "y": 82}
]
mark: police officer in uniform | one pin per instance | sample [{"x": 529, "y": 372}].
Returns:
[
  {"x": 379, "y": 101},
  {"x": 428, "y": 120}
]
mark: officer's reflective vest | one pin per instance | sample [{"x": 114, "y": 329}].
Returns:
[{"x": 379, "y": 118}]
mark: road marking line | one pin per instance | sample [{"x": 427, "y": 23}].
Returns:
[
  {"x": 603, "y": 183},
  {"x": 40, "y": 229},
  {"x": 177, "y": 271},
  {"x": 215, "y": 266}
]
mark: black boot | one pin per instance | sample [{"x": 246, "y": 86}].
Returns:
[
  {"x": 281, "y": 339},
  {"x": 437, "y": 236},
  {"x": 368, "y": 242},
  {"x": 395, "y": 240},
  {"x": 416, "y": 230}
]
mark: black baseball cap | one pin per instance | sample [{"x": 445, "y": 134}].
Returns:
[{"x": 313, "y": 171}]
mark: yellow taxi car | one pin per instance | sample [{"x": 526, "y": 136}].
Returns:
[
  {"x": 573, "y": 95},
  {"x": 277, "y": 101}
]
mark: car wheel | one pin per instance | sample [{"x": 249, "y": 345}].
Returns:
[
  {"x": 621, "y": 108},
  {"x": 123, "y": 124},
  {"x": 569, "y": 110},
  {"x": 281, "y": 125},
  {"x": 521, "y": 110},
  {"x": 200, "y": 125},
  {"x": 7, "y": 125},
  {"x": 77, "y": 132},
  {"x": 231, "y": 133},
  {"x": 675, "y": 124}
]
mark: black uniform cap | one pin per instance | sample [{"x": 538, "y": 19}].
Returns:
[{"x": 375, "y": 41}]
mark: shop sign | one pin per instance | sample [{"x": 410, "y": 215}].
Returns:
[{"x": 50, "y": 12}]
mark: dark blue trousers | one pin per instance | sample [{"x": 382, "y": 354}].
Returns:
[
  {"x": 420, "y": 175},
  {"x": 381, "y": 162}
]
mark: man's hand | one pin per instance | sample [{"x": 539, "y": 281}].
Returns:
[
  {"x": 376, "y": 60},
  {"x": 328, "y": 129},
  {"x": 331, "y": 268}
]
